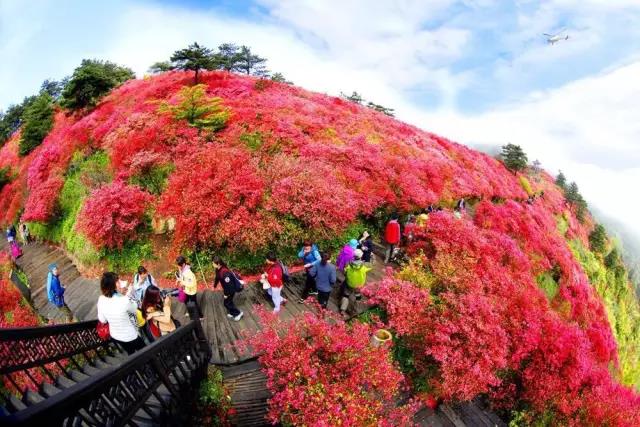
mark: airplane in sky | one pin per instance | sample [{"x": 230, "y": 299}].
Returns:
[{"x": 555, "y": 38}]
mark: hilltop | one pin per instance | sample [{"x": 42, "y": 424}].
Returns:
[{"x": 509, "y": 301}]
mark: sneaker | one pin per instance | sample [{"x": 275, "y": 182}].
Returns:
[
  {"x": 239, "y": 316},
  {"x": 300, "y": 301},
  {"x": 284, "y": 301},
  {"x": 229, "y": 315},
  {"x": 313, "y": 293}
]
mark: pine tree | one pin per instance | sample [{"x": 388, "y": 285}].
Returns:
[
  {"x": 354, "y": 97},
  {"x": 279, "y": 77},
  {"x": 249, "y": 63},
  {"x": 38, "y": 121},
  {"x": 514, "y": 157},
  {"x": 561, "y": 181},
  {"x": 227, "y": 57},
  {"x": 572, "y": 194},
  {"x": 194, "y": 58},
  {"x": 198, "y": 109},
  {"x": 91, "y": 81},
  {"x": 161, "y": 67},
  {"x": 598, "y": 239},
  {"x": 381, "y": 108}
]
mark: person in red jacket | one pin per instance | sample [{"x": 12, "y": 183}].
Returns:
[
  {"x": 391, "y": 236},
  {"x": 272, "y": 278}
]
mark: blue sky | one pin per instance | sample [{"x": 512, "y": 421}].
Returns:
[{"x": 476, "y": 71}]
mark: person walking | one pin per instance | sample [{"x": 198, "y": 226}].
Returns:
[
  {"x": 157, "y": 313},
  {"x": 365, "y": 244},
  {"x": 187, "y": 280},
  {"x": 409, "y": 229},
  {"x": 346, "y": 254},
  {"x": 272, "y": 278},
  {"x": 310, "y": 257},
  {"x": 11, "y": 233},
  {"x": 24, "y": 233},
  {"x": 391, "y": 236},
  {"x": 324, "y": 274},
  {"x": 142, "y": 280},
  {"x": 229, "y": 282},
  {"x": 355, "y": 278},
  {"x": 116, "y": 310},
  {"x": 55, "y": 291}
]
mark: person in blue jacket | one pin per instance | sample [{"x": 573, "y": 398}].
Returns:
[
  {"x": 310, "y": 256},
  {"x": 324, "y": 274},
  {"x": 55, "y": 291}
]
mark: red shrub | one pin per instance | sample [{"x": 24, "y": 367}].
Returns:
[
  {"x": 112, "y": 214},
  {"x": 485, "y": 327},
  {"x": 323, "y": 372}
]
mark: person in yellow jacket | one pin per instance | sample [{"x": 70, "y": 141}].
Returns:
[
  {"x": 187, "y": 280},
  {"x": 355, "y": 277}
]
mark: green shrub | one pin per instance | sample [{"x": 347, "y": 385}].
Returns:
[
  {"x": 548, "y": 285},
  {"x": 253, "y": 140},
  {"x": 5, "y": 176},
  {"x": 623, "y": 310},
  {"x": 153, "y": 179},
  {"x": 213, "y": 402},
  {"x": 129, "y": 257}
]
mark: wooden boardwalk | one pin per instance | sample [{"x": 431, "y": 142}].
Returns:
[{"x": 243, "y": 377}]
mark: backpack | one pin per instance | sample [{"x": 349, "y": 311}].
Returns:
[
  {"x": 238, "y": 285},
  {"x": 286, "y": 277}
]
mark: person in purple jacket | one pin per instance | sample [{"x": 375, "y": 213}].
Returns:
[{"x": 346, "y": 255}]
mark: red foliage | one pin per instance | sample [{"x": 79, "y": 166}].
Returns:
[
  {"x": 486, "y": 327},
  {"x": 113, "y": 213},
  {"x": 323, "y": 372}
]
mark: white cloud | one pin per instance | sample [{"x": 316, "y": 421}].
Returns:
[{"x": 590, "y": 129}]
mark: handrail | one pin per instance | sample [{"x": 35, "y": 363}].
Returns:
[
  {"x": 71, "y": 401},
  {"x": 24, "y": 348}
]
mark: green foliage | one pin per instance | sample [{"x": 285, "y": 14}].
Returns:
[
  {"x": 91, "y": 81},
  {"x": 610, "y": 280},
  {"x": 154, "y": 178},
  {"x": 249, "y": 63},
  {"x": 198, "y": 109},
  {"x": 54, "y": 88},
  {"x": 129, "y": 257},
  {"x": 354, "y": 97},
  {"x": 161, "y": 67},
  {"x": 37, "y": 122},
  {"x": 548, "y": 285},
  {"x": 11, "y": 119},
  {"x": 598, "y": 239},
  {"x": 214, "y": 401},
  {"x": 84, "y": 173},
  {"x": 280, "y": 78},
  {"x": 382, "y": 109},
  {"x": 513, "y": 157},
  {"x": 525, "y": 184},
  {"x": 194, "y": 58},
  {"x": 403, "y": 355},
  {"x": 253, "y": 140},
  {"x": 5, "y": 176},
  {"x": 561, "y": 181}
]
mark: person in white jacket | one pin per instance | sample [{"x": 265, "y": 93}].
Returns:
[{"x": 116, "y": 310}]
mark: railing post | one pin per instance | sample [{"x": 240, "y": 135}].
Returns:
[{"x": 195, "y": 317}]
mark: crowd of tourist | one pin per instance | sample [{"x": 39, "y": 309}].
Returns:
[{"x": 139, "y": 312}]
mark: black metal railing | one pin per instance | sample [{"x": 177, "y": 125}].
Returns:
[
  {"x": 153, "y": 386},
  {"x": 30, "y": 357}
]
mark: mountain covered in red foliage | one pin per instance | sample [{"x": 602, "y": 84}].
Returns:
[{"x": 495, "y": 302}]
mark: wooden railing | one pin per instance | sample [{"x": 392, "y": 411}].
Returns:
[{"x": 153, "y": 386}]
